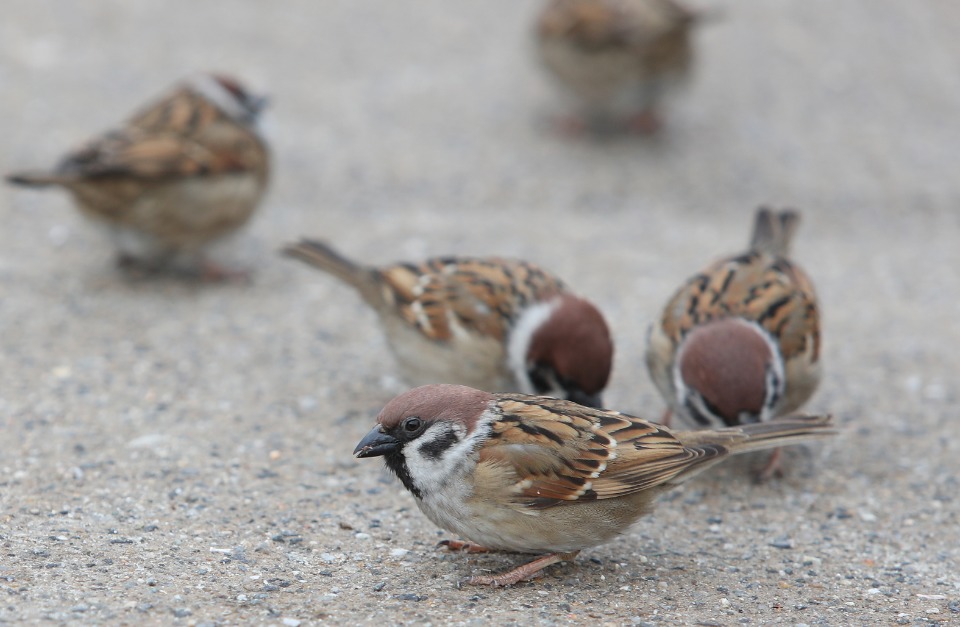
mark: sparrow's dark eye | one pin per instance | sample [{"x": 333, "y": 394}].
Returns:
[{"x": 412, "y": 424}]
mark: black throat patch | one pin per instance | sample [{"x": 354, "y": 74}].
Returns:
[{"x": 398, "y": 464}]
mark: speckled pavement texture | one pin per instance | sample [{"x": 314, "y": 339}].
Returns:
[{"x": 176, "y": 453}]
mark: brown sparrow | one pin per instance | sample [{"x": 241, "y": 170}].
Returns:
[
  {"x": 740, "y": 341},
  {"x": 189, "y": 168},
  {"x": 491, "y": 323},
  {"x": 532, "y": 474},
  {"x": 617, "y": 57}
]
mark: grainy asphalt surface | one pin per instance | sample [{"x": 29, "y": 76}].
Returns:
[{"x": 175, "y": 453}]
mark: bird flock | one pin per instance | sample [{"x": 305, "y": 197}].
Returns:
[{"x": 506, "y": 442}]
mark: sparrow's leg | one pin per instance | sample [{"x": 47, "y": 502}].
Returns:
[
  {"x": 772, "y": 467},
  {"x": 466, "y": 547},
  {"x": 522, "y": 573},
  {"x": 568, "y": 126},
  {"x": 647, "y": 122},
  {"x": 667, "y": 417},
  {"x": 212, "y": 272},
  {"x": 137, "y": 268}
]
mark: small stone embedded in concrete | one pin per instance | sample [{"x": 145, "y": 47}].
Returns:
[{"x": 408, "y": 596}]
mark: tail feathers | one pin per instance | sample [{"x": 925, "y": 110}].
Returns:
[
  {"x": 785, "y": 431},
  {"x": 37, "y": 179},
  {"x": 773, "y": 231},
  {"x": 322, "y": 256}
]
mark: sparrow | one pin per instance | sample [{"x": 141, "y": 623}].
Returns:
[
  {"x": 739, "y": 342},
  {"x": 187, "y": 169},
  {"x": 491, "y": 323},
  {"x": 531, "y": 474},
  {"x": 618, "y": 58}
]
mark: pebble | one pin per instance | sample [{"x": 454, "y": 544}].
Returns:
[
  {"x": 782, "y": 542},
  {"x": 291, "y": 622},
  {"x": 407, "y": 596},
  {"x": 399, "y": 552}
]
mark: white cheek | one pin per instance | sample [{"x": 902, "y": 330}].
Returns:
[
  {"x": 531, "y": 319},
  {"x": 431, "y": 472}
]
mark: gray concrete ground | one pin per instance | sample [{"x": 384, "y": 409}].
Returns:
[{"x": 175, "y": 453}]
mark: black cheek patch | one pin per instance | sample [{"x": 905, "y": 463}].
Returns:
[{"x": 435, "y": 448}]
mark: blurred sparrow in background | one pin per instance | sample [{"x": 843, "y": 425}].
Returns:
[
  {"x": 491, "y": 323},
  {"x": 618, "y": 58},
  {"x": 182, "y": 172}
]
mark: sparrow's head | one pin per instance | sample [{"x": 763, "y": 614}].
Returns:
[
  {"x": 728, "y": 371},
  {"x": 425, "y": 433},
  {"x": 230, "y": 96},
  {"x": 563, "y": 349}
]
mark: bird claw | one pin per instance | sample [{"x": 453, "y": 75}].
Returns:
[
  {"x": 526, "y": 572},
  {"x": 773, "y": 467}
]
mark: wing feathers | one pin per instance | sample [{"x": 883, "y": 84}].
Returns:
[{"x": 561, "y": 452}]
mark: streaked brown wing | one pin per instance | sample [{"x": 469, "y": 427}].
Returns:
[
  {"x": 182, "y": 135},
  {"x": 481, "y": 295},
  {"x": 564, "y": 452},
  {"x": 634, "y": 27}
]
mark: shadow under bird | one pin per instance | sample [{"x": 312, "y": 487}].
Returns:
[
  {"x": 739, "y": 342},
  {"x": 491, "y": 323},
  {"x": 529, "y": 474},
  {"x": 187, "y": 169}
]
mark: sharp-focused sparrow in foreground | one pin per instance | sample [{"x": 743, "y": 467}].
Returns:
[
  {"x": 494, "y": 324},
  {"x": 532, "y": 474},
  {"x": 617, "y": 57},
  {"x": 187, "y": 169},
  {"x": 740, "y": 341}
]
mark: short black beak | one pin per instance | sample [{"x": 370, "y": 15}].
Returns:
[
  {"x": 376, "y": 443},
  {"x": 581, "y": 397}
]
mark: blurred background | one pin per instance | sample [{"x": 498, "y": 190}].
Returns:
[{"x": 401, "y": 130}]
